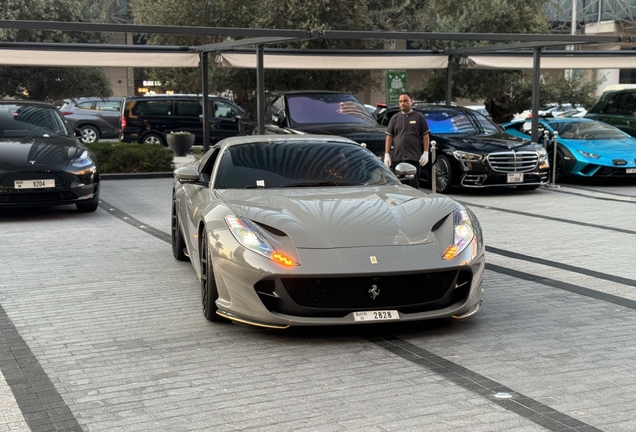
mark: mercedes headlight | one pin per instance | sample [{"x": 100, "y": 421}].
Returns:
[
  {"x": 83, "y": 161},
  {"x": 589, "y": 155},
  {"x": 467, "y": 157},
  {"x": 542, "y": 153},
  {"x": 249, "y": 236},
  {"x": 463, "y": 233}
]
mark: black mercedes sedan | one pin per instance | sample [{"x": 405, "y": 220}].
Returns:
[
  {"x": 317, "y": 112},
  {"x": 41, "y": 162},
  {"x": 474, "y": 152}
]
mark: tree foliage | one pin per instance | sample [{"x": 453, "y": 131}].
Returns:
[
  {"x": 274, "y": 14},
  {"x": 51, "y": 83}
]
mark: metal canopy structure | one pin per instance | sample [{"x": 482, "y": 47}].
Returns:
[{"x": 43, "y": 54}]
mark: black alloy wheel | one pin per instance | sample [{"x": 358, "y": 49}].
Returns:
[
  {"x": 443, "y": 175},
  {"x": 178, "y": 243},
  {"x": 560, "y": 167},
  {"x": 209, "y": 293}
]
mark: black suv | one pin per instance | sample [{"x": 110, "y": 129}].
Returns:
[
  {"x": 147, "y": 119},
  {"x": 618, "y": 108},
  {"x": 94, "y": 117},
  {"x": 316, "y": 112}
]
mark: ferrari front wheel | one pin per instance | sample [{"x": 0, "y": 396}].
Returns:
[
  {"x": 209, "y": 293},
  {"x": 178, "y": 244}
]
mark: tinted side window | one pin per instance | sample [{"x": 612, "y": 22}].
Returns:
[
  {"x": 153, "y": 107},
  {"x": 628, "y": 106},
  {"x": 614, "y": 104},
  {"x": 188, "y": 108}
]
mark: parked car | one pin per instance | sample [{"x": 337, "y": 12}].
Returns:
[
  {"x": 316, "y": 112},
  {"x": 585, "y": 147},
  {"x": 474, "y": 152},
  {"x": 95, "y": 118},
  {"x": 618, "y": 108},
  {"x": 481, "y": 109},
  {"x": 41, "y": 162},
  {"x": 147, "y": 119},
  {"x": 353, "y": 245}
]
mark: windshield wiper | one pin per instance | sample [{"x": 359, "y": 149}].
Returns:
[{"x": 318, "y": 183}]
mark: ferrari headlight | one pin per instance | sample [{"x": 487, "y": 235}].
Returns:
[
  {"x": 467, "y": 157},
  {"x": 83, "y": 161},
  {"x": 249, "y": 236},
  {"x": 463, "y": 234},
  {"x": 589, "y": 155}
]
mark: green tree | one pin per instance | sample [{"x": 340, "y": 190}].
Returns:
[
  {"x": 505, "y": 92},
  {"x": 292, "y": 14},
  {"x": 41, "y": 83}
]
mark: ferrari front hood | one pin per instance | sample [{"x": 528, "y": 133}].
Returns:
[{"x": 338, "y": 217}]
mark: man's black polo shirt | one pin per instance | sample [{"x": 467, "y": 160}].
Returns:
[{"x": 407, "y": 131}]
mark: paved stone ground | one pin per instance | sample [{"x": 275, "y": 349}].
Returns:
[{"x": 114, "y": 322}]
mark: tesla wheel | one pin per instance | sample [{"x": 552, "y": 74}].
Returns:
[
  {"x": 443, "y": 174},
  {"x": 90, "y": 134},
  {"x": 209, "y": 293},
  {"x": 87, "y": 208},
  {"x": 178, "y": 243},
  {"x": 153, "y": 139}
]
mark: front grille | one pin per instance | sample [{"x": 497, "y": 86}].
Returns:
[
  {"x": 513, "y": 161},
  {"x": 356, "y": 292},
  {"x": 35, "y": 197}
]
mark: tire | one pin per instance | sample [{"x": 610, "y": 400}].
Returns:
[
  {"x": 560, "y": 167},
  {"x": 87, "y": 208},
  {"x": 153, "y": 138},
  {"x": 443, "y": 175},
  {"x": 178, "y": 243},
  {"x": 90, "y": 134},
  {"x": 209, "y": 293}
]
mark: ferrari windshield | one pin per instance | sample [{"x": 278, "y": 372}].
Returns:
[
  {"x": 20, "y": 121},
  {"x": 300, "y": 164},
  {"x": 450, "y": 121},
  {"x": 328, "y": 108},
  {"x": 588, "y": 130}
]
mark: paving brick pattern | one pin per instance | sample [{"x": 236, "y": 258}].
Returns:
[{"x": 115, "y": 323}]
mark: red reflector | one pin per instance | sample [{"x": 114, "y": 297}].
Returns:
[{"x": 65, "y": 113}]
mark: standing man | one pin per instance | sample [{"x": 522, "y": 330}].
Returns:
[{"x": 407, "y": 132}]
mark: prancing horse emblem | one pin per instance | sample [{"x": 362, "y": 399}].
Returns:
[
  {"x": 374, "y": 292},
  {"x": 32, "y": 162}
]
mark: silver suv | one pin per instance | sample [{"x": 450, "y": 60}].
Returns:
[{"x": 95, "y": 117}]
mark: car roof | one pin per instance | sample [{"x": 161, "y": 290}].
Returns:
[
  {"x": 251, "y": 139},
  {"x": 299, "y": 92}
]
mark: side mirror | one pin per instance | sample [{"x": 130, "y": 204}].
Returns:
[
  {"x": 404, "y": 169},
  {"x": 278, "y": 120},
  {"x": 187, "y": 174}
]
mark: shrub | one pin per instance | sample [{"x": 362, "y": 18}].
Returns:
[{"x": 132, "y": 157}]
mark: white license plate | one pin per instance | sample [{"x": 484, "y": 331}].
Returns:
[
  {"x": 630, "y": 171},
  {"x": 385, "y": 315},
  {"x": 515, "y": 178},
  {"x": 33, "y": 184}
]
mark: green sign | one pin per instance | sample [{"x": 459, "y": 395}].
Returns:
[{"x": 395, "y": 84}]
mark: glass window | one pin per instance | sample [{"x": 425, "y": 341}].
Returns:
[
  {"x": 85, "y": 105},
  {"x": 298, "y": 164},
  {"x": 628, "y": 106},
  {"x": 109, "y": 105},
  {"x": 188, "y": 108},
  {"x": 153, "y": 107},
  {"x": 328, "y": 108},
  {"x": 450, "y": 122},
  {"x": 224, "y": 110},
  {"x": 613, "y": 105},
  {"x": 589, "y": 130},
  {"x": 29, "y": 120}
]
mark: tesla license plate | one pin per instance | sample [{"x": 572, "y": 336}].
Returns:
[
  {"x": 515, "y": 178},
  {"x": 630, "y": 171},
  {"x": 385, "y": 315},
  {"x": 33, "y": 184}
]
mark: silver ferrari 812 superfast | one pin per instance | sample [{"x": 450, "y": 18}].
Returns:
[{"x": 310, "y": 230}]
